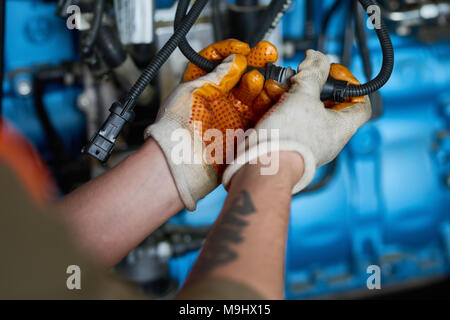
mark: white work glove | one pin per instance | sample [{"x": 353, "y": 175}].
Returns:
[
  {"x": 318, "y": 134},
  {"x": 196, "y": 179},
  {"x": 211, "y": 102}
]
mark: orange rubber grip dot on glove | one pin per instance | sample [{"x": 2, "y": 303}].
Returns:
[{"x": 239, "y": 100}]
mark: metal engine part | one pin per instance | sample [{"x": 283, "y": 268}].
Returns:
[{"x": 427, "y": 19}]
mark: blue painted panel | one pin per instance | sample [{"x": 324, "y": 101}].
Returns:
[
  {"x": 389, "y": 201},
  {"x": 35, "y": 37}
]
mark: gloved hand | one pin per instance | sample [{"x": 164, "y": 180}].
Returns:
[
  {"x": 211, "y": 101},
  {"x": 305, "y": 125}
]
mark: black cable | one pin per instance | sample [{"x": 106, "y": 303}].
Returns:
[
  {"x": 184, "y": 45},
  {"x": 375, "y": 98},
  {"x": 341, "y": 90},
  {"x": 152, "y": 69},
  {"x": 102, "y": 143},
  {"x": 388, "y": 60},
  {"x": 272, "y": 16},
  {"x": 2, "y": 48},
  {"x": 361, "y": 38},
  {"x": 91, "y": 37}
]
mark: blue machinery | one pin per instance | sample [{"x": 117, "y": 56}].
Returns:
[{"x": 387, "y": 203}]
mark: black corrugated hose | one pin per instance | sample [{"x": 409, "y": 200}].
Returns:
[
  {"x": 152, "y": 69},
  {"x": 275, "y": 13},
  {"x": 361, "y": 37},
  {"x": 102, "y": 143},
  {"x": 272, "y": 16},
  {"x": 184, "y": 46}
]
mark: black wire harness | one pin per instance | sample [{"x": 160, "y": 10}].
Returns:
[
  {"x": 334, "y": 89},
  {"x": 339, "y": 91},
  {"x": 184, "y": 45},
  {"x": 272, "y": 16},
  {"x": 102, "y": 144},
  {"x": 388, "y": 59}
]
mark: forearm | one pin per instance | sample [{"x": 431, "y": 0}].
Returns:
[
  {"x": 247, "y": 243},
  {"x": 113, "y": 213}
]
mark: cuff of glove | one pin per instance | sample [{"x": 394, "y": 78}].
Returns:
[
  {"x": 254, "y": 152},
  {"x": 193, "y": 181}
]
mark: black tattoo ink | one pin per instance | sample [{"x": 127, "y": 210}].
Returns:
[{"x": 228, "y": 232}]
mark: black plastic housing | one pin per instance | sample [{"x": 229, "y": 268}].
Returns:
[
  {"x": 102, "y": 144},
  {"x": 335, "y": 90}
]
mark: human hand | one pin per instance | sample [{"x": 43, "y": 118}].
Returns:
[
  {"x": 304, "y": 124},
  {"x": 212, "y": 101}
]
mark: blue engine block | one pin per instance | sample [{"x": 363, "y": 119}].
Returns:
[
  {"x": 36, "y": 37},
  {"x": 388, "y": 203}
]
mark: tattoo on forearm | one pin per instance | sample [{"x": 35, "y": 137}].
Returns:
[{"x": 227, "y": 233}]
